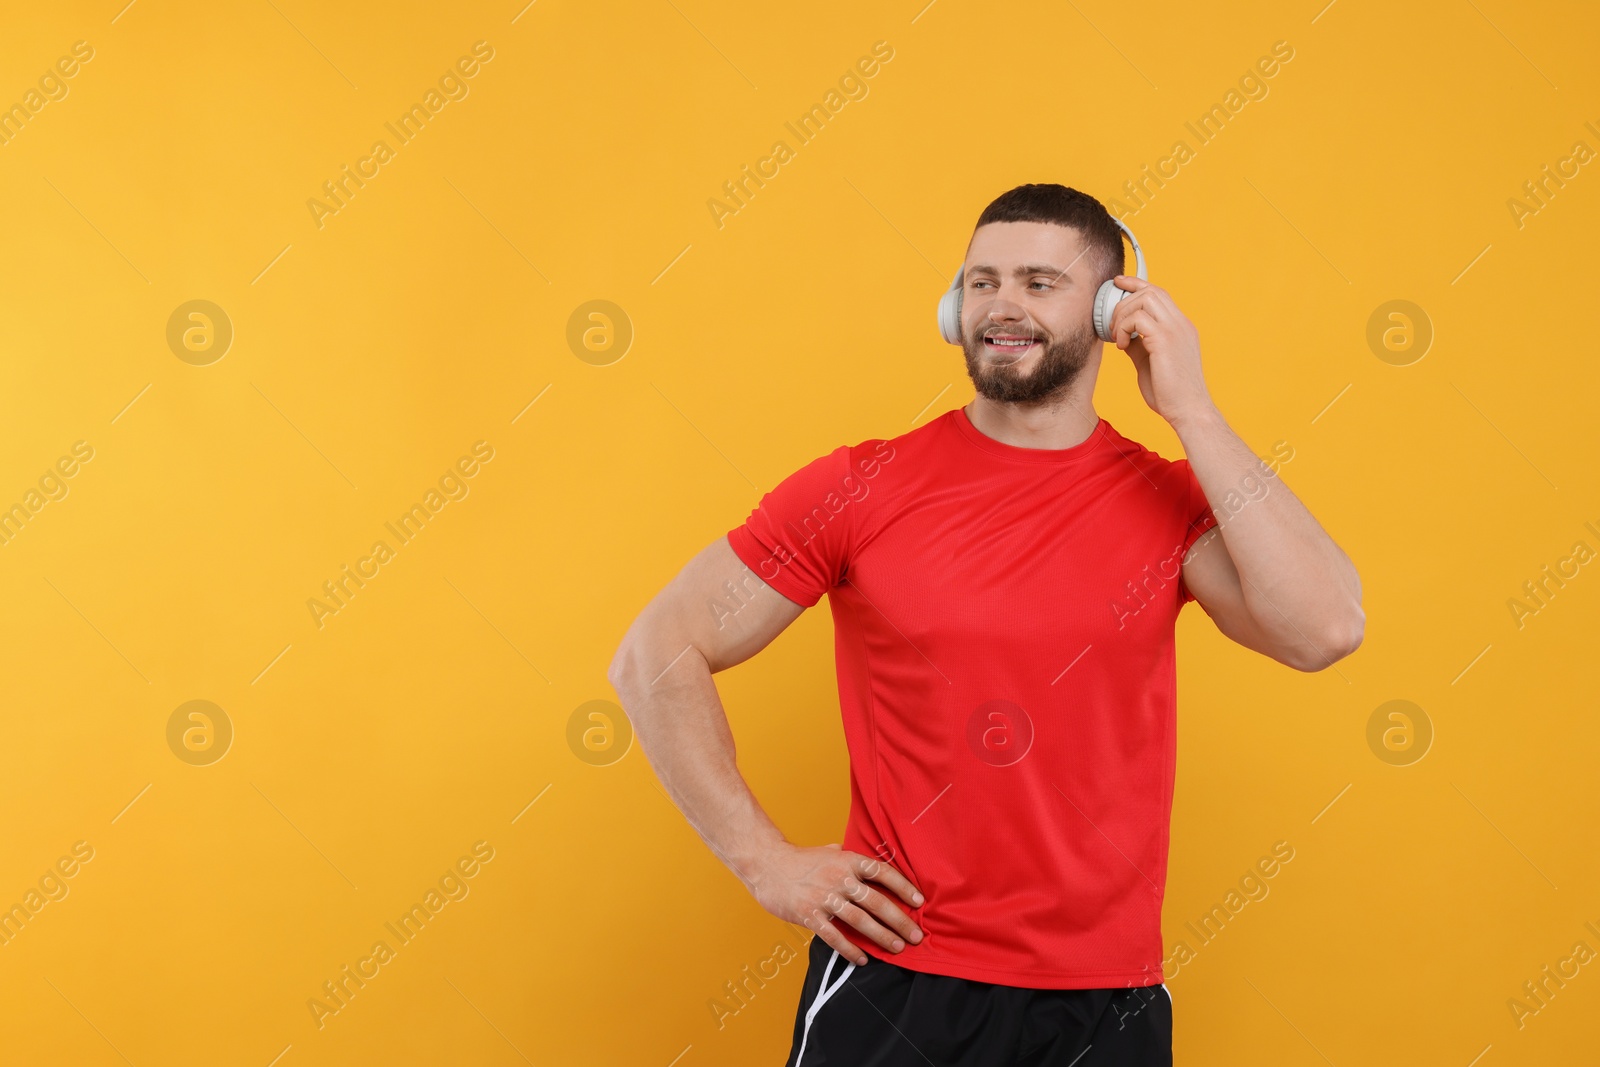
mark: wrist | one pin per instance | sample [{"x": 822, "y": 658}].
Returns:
[
  {"x": 751, "y": 859},
  {"x": 1197, "y": 415}
]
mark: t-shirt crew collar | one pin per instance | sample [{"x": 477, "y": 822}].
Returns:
[{"x": 1051, "y": 456}]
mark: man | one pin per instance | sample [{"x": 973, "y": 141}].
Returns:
[{"x": 1004, "y": 582}]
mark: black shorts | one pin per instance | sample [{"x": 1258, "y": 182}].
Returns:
[{"x": 882, "y": 1015}]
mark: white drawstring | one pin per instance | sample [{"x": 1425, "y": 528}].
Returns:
[{"x": 824, "y": 992}]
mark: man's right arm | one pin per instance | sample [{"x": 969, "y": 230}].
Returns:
[{"x": 662, "y": 671}]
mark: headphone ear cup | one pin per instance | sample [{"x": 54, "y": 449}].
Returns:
[
  {"x": 1105, "y": 301},
  {"x": 950, "y": 313}
]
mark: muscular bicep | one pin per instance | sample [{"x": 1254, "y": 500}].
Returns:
[
  {"x": 1209, "y": 573},
  {"x": 716, "y": 605}
]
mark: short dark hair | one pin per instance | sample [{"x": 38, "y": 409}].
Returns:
[{"x": 1065, "y": 207}]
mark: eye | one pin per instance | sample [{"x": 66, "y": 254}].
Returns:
[
  {"x": 1045, "y": 284},
  {"x": 980, "y": 282}
]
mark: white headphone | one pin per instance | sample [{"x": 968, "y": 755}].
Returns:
[{"x": 1104, "y": 301}]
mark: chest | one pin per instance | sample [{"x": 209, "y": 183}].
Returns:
[{"x": 1030, "y": 564}]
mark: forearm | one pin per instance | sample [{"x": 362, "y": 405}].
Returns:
[
  {"x": 1299, "y": 585},
  {"x": 678, "y": 717}
]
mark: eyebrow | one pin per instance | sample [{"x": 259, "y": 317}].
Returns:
[{"x": 1025, "y": 271}]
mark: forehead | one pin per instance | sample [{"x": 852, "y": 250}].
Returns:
[{"x": 1005, "y": 244}]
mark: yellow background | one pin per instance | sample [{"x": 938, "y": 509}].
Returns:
[{"x": 372, "y": 752}]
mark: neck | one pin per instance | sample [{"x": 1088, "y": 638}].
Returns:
[{"x": 1060, "y": 422}]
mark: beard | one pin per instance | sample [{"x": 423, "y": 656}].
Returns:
[{"x": 1059, "y": 365}]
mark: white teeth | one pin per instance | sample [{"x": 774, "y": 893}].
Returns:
[{"x": 1013, "y": 344}]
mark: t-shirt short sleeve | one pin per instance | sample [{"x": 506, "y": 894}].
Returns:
[
  {"x": 797, "y": 539},
  {"x": 1199, "y": 517}
]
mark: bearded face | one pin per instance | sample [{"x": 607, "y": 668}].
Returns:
[{"x": 1022, "y": 363}]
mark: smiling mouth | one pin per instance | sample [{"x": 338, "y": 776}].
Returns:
[{"x": 1010, "y": 344}]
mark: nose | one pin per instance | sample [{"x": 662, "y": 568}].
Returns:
[{"x": 1003, "y": 310}]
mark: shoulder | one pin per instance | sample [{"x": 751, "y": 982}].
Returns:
[
  {"x": 1169, "y": 481},
  {"x": 845, "y": 469},
  {"x": 1148, "y": 461},
  {"x": 870, "y": 458}
]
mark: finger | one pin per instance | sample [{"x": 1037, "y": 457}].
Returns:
[
  {"x": 1139, "y": 322},
  {"x": 834, "y": 938},
  {"x": 873, "y": 870},
  {"x": 1147, "y": 300},
  {"x": 1161, "y": 300},
  {"x": 1158, "y": 304},
  {"x": 1130, "y": 283},
  {"x": 880, "y": 934},
  {"x": 882, "y": 907}
]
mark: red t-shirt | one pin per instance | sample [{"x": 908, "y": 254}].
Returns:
[{"x": 1003, "y": 632}]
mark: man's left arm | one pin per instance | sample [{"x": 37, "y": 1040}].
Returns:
[{"x": 1268, "y": 575}]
